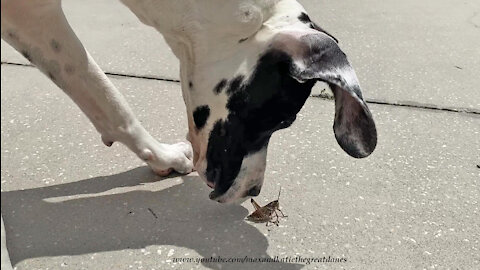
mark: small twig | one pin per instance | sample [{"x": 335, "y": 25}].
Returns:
[{"x": 151, "y": 211}]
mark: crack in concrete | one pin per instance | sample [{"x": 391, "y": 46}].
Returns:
[
  {"x": 117, "y": 74},
  {"x": 408, "y": 104},
  {"x": 411, "y": 104}
]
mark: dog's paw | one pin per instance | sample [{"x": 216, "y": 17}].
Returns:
[{"x": 165, "y": 158}]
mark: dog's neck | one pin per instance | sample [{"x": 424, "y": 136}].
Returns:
[{"x": 209, "y": 31}]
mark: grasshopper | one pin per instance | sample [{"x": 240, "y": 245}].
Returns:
[{"x": 267, "y": 212}]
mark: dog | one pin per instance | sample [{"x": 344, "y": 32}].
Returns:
[{"x": 246, "y": 68}]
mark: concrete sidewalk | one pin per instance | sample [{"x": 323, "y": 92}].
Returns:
[{"x": 69, "y": 202}]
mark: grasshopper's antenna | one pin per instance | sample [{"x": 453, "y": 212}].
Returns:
[{"x": 279, "y": 193}]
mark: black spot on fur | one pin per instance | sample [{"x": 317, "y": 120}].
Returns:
[
  {"x": 237, "y": 100},
  {"x": 200, "y": 116},
  {"x": 303, "y": 17},
  {"x": 190, "y": 84},
  {"x": 242, "y": 40},
  {"x": 55, "y": 46},
  {"x": 219, "y": 87},
  {"x": 235, "y": 84},
  {"x": 267, "y": 102},
  {"x": 12, "y": 35}
]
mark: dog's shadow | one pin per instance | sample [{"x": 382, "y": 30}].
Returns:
[{"x": 130, "y": 210}]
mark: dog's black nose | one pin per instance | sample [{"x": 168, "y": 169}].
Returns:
[{"x": 253, "y": 191}]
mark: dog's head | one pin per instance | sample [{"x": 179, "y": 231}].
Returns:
[{"x": 246, "y": 72}]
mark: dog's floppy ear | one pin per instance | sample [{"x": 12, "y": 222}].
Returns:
[{"x": 321, "y": 59}]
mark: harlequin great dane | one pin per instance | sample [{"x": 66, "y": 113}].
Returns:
[{"x": 246, "y": 69}]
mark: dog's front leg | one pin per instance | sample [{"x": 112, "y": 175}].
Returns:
[{"x": 39, "y": 30}]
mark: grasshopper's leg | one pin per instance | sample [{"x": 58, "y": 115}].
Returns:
[
  {"x": 281, "y": 212},
  {"x": 255, "y": 204},
  {"x": 276, "y": 221}
]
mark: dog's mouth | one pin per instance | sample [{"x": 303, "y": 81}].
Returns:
[
  {"x": 215, "y": 193},
  {"x": 236, "y": 193},
  {"x": 204, "y": 178},
  {"x": 228, "y": 187},
  {"x": 218, "y": 194},
  {"x": 210, "y": 184}
]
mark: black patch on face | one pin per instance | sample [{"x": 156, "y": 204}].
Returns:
[
  {"x": 219, "y": 87},
  {"x": 267, "y": 102},
  {"x": 190, "y": 84},
  {"x": 303, "y": 17},
  {"x": 200, "y": 116},
  {"x": 55, "y": 46}
]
